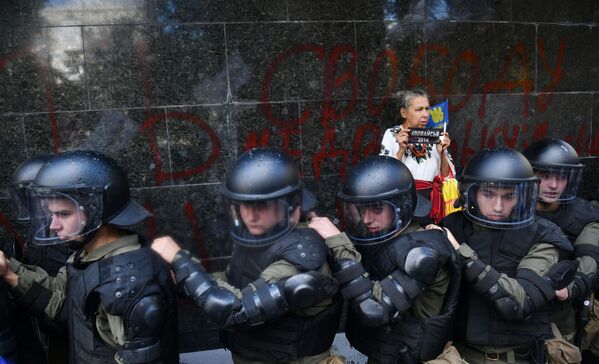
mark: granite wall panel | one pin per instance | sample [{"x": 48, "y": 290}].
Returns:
[
  {"x": 568, "y": 58},
  {"x": 176, "y": 90}
]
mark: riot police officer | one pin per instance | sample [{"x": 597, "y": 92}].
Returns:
[
  {"x": 277, "y": 301},
  {"x": 403, "y": 292},
  {"x": 116, "y": 296},
  {"x": 557, "y": 165},
  {"x": 50, "y": 258},
  {"x": 509, "y": 260}
]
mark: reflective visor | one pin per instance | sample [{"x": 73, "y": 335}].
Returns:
[
  {"x": 261, "y": 222},
  {"x": 375, "y": 221},
  {"x": 18, "y": 195},
  {"x": 58, "y": 217},
  {"x": 501, "y": 205},
  {"x": 558, "y": 184}
]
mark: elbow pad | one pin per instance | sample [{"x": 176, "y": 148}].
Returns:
[
  {"x": 217, "y": 302},
  {"x": 266, "y": 302},
  {"x": 271, "y": 300},
  {"x": 307, "y": 289},
  {"x": 399, "y": 291},
  {"x": 143, "y": 325},
  {"x": 353, "y": 279},
  {"x": 423, "y": 263}
]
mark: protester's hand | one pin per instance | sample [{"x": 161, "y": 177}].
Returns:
[
  {"x": 8, "y": 275},
  {"x": 450, "y": 237},
  {"x": 562, "y": 294},
  {"x": 324, "y": 226},
  {"x": 444, "y": 142},
  {"x": 402, "y": 138},
  {"x": 166, "y": 247}
]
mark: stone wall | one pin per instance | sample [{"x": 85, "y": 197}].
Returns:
[{"x": 176, "y": 90}]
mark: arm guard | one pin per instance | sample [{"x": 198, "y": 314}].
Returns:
[
  {"x": 143, "y": 325},
  {"x": 356, "y": 287},
  {"x": 539, "y": 290},
  {"x": 217, "y": 302},
  {"x": 399, "y": 289},
  {"x": 271, "y": 300},
  {"x": 581, "y": 288},
  {"x": 421, "y": 266}
]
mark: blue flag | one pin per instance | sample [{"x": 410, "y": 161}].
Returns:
[{"x": 439, "y": 115}]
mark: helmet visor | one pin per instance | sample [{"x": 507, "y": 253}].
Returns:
[
  {"x": 259, "y": 222},
  {"x": 59, "y": 217},
  {"x": 18, "y": 196},
  {"x": 558, "y": 185},
  {"x": 501, "y": 205},
  {"x": 375, "y": 221}
]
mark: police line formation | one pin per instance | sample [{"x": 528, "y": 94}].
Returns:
[{"x": 508, "y": 277}]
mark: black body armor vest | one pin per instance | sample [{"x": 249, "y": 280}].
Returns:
[
  {"x": 573, "y": 217},
  {"x": 290, "y": 336},
  {"x": 477, "y": 321},
  {"x": 424, "y": 338},
  {"x": 117, "y": 282}
]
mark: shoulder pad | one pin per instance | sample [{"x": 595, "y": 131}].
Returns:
[
  {"x": 580, "y": 213},
  {"x": 433, "y": 239},
  {"x": 548, "y": 232},
  {"x": 587, "y": 209},
  {"x": 304, "y": 248},
  {"x": 125, "y": 277}
]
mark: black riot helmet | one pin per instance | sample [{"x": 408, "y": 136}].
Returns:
[
  {"x": 499, "y": 189},
  {"x": 77, "y": 192},
  {"x": 261, "y": 194},
  {"x": 557, "y": 164},
  {"x": 379, "y": 198},
  {"x": 22, "y": 179}
]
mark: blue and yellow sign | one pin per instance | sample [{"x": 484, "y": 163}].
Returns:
[{"x": 439, "y": 115}]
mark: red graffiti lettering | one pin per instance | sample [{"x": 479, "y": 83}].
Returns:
[
  {"x": 332, "y": 83},
  {"x": 162, "y": 176},
  {"x": 252, "y": 140},
  {"x": 328, "y": 150},
  {"x": 502, "y": 83},
  {"x": 373, "y": 146},
  {"x": 415, "y": 80},
  {"x": 468, "y": 57},
  {"x": 197, "y": 235},
  {"x": 151, "y": 232},
  {"x": 556, "y": 74},
  {"x": 266, "y": 107}
]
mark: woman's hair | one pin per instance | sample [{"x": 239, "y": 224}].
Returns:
[{"x": 407, "y": 96}]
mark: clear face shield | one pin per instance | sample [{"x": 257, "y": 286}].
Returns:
[
  {"x": 501, "y": 205},
  {"x": 60, "y": 217},
  {"x": 559, "y": 184},
  {"x": 19, "y": 198},
  {"x": 261, "y": 222},
  {"x": 373, "y": 222}
]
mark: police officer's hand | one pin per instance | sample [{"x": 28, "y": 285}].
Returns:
[
  {"x": 166, "y": 247},
  {"x": 562, "y": 294},
  {"x": 8, "y": 275},
  {"x": 324, "y": 226},
  {"x": 450, "y": 237},
  {"x": 444, "y": 142}
]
